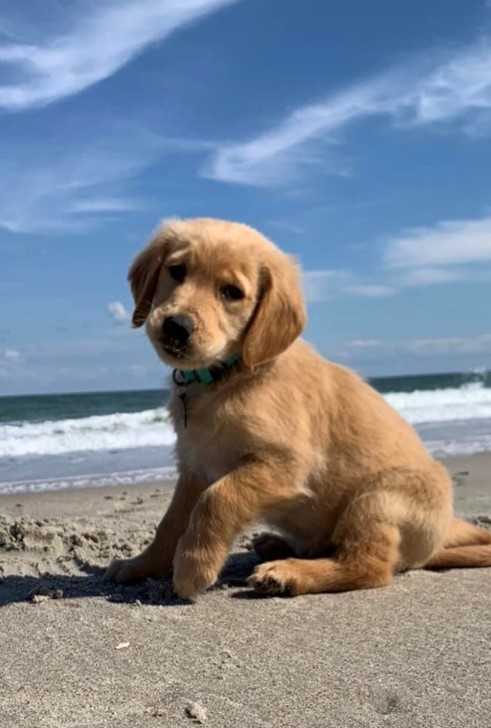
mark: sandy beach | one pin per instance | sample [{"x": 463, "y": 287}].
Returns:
[{"x": 76, "y": 652}]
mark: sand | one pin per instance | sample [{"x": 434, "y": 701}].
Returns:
[{"x": 76, "y": 652}]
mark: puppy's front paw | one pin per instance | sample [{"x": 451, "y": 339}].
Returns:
[
  {"x": 277, "y": 578},
  {"x": 138, "y": 568},
  {"x": 193, "y": 574}
]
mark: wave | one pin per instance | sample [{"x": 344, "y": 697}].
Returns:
[
  {"x": 468, "y": 402},
  {"x": 152, "y": 428},
  {"x": 119, "y": 431}
]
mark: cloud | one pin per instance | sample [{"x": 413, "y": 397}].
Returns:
[
  {"x": 429, "y": 277},
  {"x": 11, "y": 356},
  {"x": 105, "y": 363},
  {"x": 321, "y": 285},
  {"x": 449, "y": 345},
  {"x": 324, "y": 285},
  {"x": 423, "y": 93},
  {"x": 11, "y": 363},
  {"x": 450, "y": 242},
  {"x": 117, "y": 310},
  {"x": 66, "y": 190},
  {"x": 60, "y": 188},
  {"x": 95, "y": 205},
  {"x": 370, "y": 290},
  {"x": 365, "y": 344},
  {"x": 99, "y": 38},
  {"x": 422, "y": 347},
  {"x": 451, "y": 251}
]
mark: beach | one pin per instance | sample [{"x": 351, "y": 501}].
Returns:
[
  {"x": 245, "y": 247},
  {"x": 76, "y": 652}
]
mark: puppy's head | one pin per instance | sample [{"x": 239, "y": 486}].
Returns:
[{"x": 208, "y": 289}]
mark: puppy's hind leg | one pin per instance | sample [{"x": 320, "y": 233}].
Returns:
[
  {"x": 461, "y": 557},
  {"x": 367, "y": 556},
  {"x": 462, "y": 533},
  {"x": 372, "y": 567}
]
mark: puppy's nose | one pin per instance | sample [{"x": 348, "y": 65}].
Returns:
[{"x": 176, "y": 330}]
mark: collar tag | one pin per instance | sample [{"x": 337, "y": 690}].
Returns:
[{"x": 181, "y": 387}]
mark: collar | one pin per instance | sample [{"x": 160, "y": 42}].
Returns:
[{"x": 207, "y": 375}]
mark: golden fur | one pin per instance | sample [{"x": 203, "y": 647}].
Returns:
[{"x": 286, "y": 437}]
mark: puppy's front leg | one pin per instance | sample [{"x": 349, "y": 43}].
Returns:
[
  {"x": 156, "y": 560},
  {"x": 224, "y": 510}
]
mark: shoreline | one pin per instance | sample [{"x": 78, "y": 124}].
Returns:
[{"x": 459, "y": 467}]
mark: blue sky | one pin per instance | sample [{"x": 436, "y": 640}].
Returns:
[{"x": 356, "y": 135}]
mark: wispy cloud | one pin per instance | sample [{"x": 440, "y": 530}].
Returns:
[
  {"x": 11, "y": 355},
  {"x": 429, "y": 277},
  {"x": 79, "y": 364},
  {"x": 448, "y": 243},
  {"x": 420, "y": 347},
  {"x": 449, "y": 345},
  {"x": 424, "y": 93},
  {"x": 371, "y": 290},
  {"x": 117, "y": 311},
  {"x": 11, "y": 360},
  {"x": 101, "y": 37},
  {"x": 451, "y": 251},
  {"x": 325, "y": 285},
  {"x": 62, "y": 189},
  {"x": 365, "y": 344},
  {"x": 105, "y": 204}
]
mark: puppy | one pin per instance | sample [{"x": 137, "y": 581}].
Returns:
[{"x": 267, "y": 429}]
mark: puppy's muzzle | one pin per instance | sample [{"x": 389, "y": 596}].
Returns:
[{"x": 176, "y": 331}]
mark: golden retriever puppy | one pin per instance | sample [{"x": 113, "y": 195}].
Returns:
[{"x": 267, "y": 429}]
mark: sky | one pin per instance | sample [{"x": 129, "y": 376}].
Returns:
[{"x": 355, "y": 135}]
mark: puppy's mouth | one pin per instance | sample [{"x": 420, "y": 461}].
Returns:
[
  {"x": 173, "y": 351},
  {"x": 184, "y": 359},
  {"x": 175, "y": 339},
  {"x": 178, "y": 357}
]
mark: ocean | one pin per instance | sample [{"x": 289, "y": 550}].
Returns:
[{"x": 50, "y": 442}]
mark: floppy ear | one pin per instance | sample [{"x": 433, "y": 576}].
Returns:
[
  {"x": 279, "y": 317},
  {"x": 143, "y": 277}
]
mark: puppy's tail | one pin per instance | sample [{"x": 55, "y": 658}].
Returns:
[
  {"x": 466, "y": 546},
  {"x": 462, "y": 533}
]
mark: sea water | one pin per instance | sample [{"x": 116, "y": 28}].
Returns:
[{"x": 50, "y": 442}]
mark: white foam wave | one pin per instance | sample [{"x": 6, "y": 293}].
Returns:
[
  {"x": 152, "y": 428},
  {"x": 100, "y": 432},
  {"x": 469, "y": 402},
  {"x": 453, "y": 448}
]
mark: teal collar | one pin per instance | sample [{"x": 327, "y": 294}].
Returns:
[{"x": 207, "y": 375}]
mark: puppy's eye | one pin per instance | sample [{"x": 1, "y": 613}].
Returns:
[
  {"x": 231, "y": 293},
  {"x": 177, "y": 272}
]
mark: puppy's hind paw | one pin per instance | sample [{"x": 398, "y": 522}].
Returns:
[{"x": 274, "y": 579}]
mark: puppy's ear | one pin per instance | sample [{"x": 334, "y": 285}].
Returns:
[
  {"x": 280, "y": 314},
  {"x": 144, "y": 274}
]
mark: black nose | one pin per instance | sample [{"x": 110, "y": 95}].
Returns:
[{"x": 176, "y": 330}]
